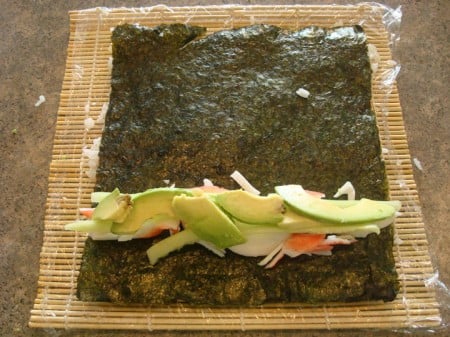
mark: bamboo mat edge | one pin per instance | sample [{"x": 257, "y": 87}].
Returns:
[{"x": 85, "y": 94}]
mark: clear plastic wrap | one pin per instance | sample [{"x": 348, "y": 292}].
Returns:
[{"x": 83, "y": 105}]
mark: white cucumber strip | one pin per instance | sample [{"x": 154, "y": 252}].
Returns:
[
  {"x": 361, "y": 230},
  {"x": 347, "y": 203},
  {"x": 90, "y": 226},
  {"x": 211, "y": 247},
  {"x": 99, "y": 196}
]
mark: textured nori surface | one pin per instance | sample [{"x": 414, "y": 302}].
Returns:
[{"x": 184, "y": 108}]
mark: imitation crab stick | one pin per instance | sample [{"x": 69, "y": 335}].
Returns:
[{"x": 298, "y": 244}]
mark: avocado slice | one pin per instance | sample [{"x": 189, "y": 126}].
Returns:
[
  {"x": 170, "y": 244},
  {"x": 251, "y": 208},
  {"x": 147, "y": 205},
  {"x": 362, "y": 211},
  {"x": 201, "y": 215},
  {"x": 294, "y": 222},
  {"x": 113, "y": 206}
]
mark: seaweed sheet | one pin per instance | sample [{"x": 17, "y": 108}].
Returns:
[{"x": 184, "y": 107}]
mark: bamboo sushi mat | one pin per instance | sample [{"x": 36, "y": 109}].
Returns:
[{"x": 85, "y": 94}]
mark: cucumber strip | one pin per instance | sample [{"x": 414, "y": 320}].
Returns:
[
  {"x": 90, "y": 226},
  {"x": 103, "y": 236},
  {"x": 171, "y": 244},
  {"x": 347, "y": 203},
  {"x": 298, "y": 224},
  {"x": 355, "y": 230},
  {"x": 295, "y": 223}
]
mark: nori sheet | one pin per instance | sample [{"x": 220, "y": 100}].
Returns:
[{"x": 185, "y": 107}]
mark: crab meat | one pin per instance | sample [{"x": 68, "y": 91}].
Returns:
[
  {"x": 87, "y": 212},
  {"x": 154, "y": 227},
  {"x": 297, "y": 244}
]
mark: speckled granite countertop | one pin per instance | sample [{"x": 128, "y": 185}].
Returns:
[{"x": 33, "y": 53}]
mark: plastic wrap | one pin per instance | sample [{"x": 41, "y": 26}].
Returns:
[{"x": 84, "y": 102}]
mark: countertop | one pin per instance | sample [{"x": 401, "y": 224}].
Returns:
[{"x": 33, "y": 53}]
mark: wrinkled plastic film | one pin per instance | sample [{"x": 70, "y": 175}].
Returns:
[
  {"x": 430, "y": 278},
  {"x": 84, "y": 103}
]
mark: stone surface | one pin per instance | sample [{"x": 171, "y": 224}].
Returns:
[{"x": 33, "y": 51}]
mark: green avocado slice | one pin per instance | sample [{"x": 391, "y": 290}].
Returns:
[
  {"x": 171, "y": 244},
  {"x": 113, "y": 206},
  {"x": 294, "y": 222},
  {"x": 146, "y": 205},
  {"x": 252, "y": 208},
  {"x": 362, "y": 211},
  {"x": 201, "y": 215}
]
